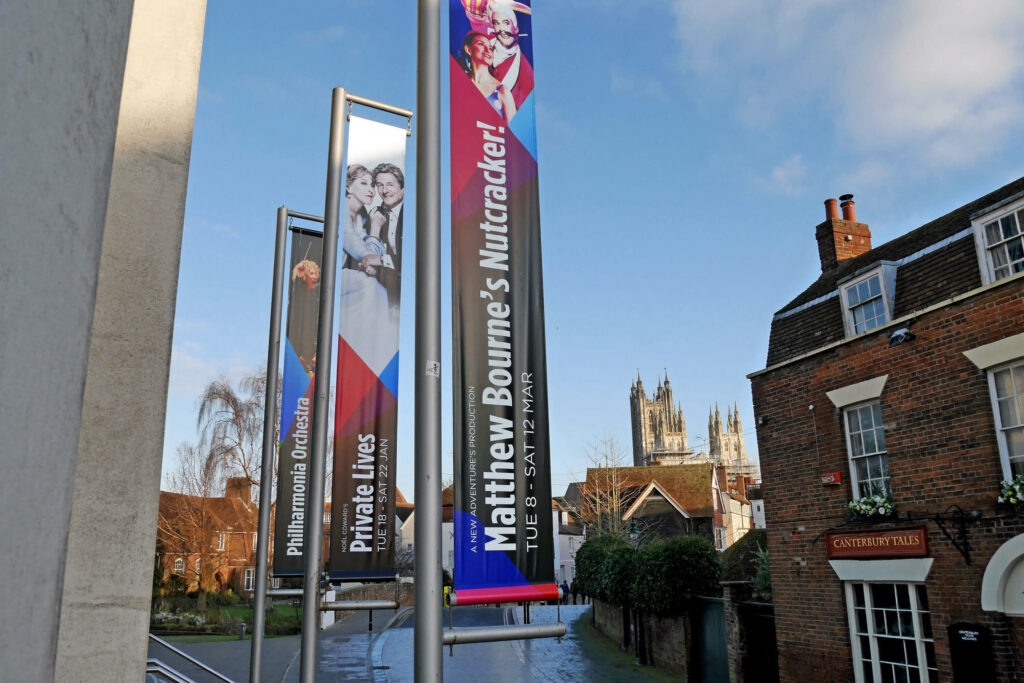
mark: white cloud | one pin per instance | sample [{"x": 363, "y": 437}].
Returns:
[
  {"x": 192, "y": 368},
  {"x": 789, "y": 176},
  {"x": 941, "y": 81},
  {"x": 944, "y": 76}
]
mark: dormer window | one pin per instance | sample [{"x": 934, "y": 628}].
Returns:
[
  {"x": 867, "y": 300},
  {"x": 1004, "y": 241},
  {"x": 999, "y": 235}
]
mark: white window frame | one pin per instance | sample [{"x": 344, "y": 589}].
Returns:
[
  {"x": 1004, "y": 448},
  {"x": 179, "y": 565},
  {"x": 978, "y": 223},
  {"x": 255, "y": 540},
  {"x": 886, "y": 274},
  {"x": 222, "y": 541},
  {"x": 920, "y": 641},
  {"x": 992, "y": 358},
  {"x": 854, "y": 481},
  {"x": 249, "y": 581}
]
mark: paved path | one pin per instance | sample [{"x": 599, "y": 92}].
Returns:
[
  {"x": 348, "y": 652},
  {"x": 582, "y": 655}
]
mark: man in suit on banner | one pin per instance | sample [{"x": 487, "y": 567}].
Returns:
[
  {"x": 511, "y": 65},
  {"x": 389, "y": 182}
]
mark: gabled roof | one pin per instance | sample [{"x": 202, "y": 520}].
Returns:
[
  {"x": 688, "y": 485},
  {"x": 573, "y": 495},
  {"x": 645, "y": 494}
]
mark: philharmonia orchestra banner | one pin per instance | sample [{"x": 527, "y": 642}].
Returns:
[
  {"x": 503, "y": 536},
  {"x": 297, "y": 402},
  {"x": 366, "y": 400}
]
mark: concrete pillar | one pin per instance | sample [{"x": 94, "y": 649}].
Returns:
[
  {"x": 61, "y": 70},
  {"x": 108, "y": 580}
]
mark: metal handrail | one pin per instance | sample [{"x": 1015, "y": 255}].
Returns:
[
  {"x": 156, "y": 666},
  {"x": 191, "y": 659}
]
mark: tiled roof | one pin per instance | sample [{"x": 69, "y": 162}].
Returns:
[
  {"x": 689, "y": 485},
  {"x": 814, "y": 318}
]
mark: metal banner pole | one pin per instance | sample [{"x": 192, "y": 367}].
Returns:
[
  {"x": 313, "y": 546},
  {"x": 427, "y": 364},
  {"x": 269, "y": 443}
]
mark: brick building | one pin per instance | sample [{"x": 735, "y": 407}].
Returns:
[
  {"x": 899, "y": 372},
  {"x": 210, "y": 539}
]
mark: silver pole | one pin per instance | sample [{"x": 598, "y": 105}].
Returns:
[
  {"x": 313, "y": 545},
  {"x": 494, "y": 634},
  {"x": 426, "y": 368},
  {"x": 269, "y": 443}
]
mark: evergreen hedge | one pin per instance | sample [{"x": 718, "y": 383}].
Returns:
[
  {"x": 589, "y": 560},
  {"x": 659, "y": 577}
]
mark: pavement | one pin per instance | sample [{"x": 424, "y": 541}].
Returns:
[{"x": 349, "y": 652}]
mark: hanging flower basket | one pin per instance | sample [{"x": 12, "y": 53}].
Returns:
[
  {"x": 1011, "y": 494},
  {"x": 873, "y": 508}
]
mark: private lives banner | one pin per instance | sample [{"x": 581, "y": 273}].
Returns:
[
  {"x": 366, "y": 403},
  {"x": 502, "y": 512}
]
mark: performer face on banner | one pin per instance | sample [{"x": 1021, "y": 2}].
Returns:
[
  {"x": 478, "y": 49},
  {"x": 506, "y": 28},
  {"x": 360, "y": 186},
  {"x": 390, "y": 190}
]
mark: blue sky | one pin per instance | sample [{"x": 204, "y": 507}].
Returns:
[{"x": 685, "y": 150}]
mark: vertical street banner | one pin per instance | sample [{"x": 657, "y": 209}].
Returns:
[
  {"x": 502, "y": 513},
  {"x": 366, "y": 401},
  {"x": 296, "y": 402}
]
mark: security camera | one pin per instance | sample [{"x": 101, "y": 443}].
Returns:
[{"x": 901, "y": 335}]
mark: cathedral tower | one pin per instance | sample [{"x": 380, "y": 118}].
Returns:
[{"x": 659, "y": 428}]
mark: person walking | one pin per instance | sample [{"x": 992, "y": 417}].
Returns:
[
  {"x": 565, "y": 592},
  {"x": 574, "y": 590}
]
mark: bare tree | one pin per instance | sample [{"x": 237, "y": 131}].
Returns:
[
  {"x": 601, "y": 501},
  {"x": 230, "y": 424},
  {"x": 186, "y": 526}
]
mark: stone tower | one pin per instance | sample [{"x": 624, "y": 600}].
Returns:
[
  {"x": 725, "y": 442},
  {"x": 659, "y": 428}
]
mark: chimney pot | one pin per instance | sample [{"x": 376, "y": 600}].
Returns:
[
  {"x": 848, "y": 212},
  {"x": 831, "y": 209}
]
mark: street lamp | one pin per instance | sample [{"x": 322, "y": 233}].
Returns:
[{"x": 640, "y": 645}]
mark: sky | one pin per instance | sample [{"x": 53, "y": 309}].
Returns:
[{"x": 685, "y": 152}]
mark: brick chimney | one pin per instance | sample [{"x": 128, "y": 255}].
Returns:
[
  {"x": 841, "y": 239},
  {"x": 238, "y": 487}
]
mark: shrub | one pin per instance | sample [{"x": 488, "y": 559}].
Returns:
[
  {"x": 739, "y": 561},
  {"x": 672, "y": 571},
  {"x": 589, "y": 560},
  {"x": 228, "y": 597},
  {"x": 617, "y": 574}
]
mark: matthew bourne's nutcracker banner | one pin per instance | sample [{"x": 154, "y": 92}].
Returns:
[{"x": 503, "y": 541}]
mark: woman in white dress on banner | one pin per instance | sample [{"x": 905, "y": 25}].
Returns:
[{"x": 363, "y": 311}]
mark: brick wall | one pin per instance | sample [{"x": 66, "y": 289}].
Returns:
[
  {"x": 608, "y": 619},
  {"x": 667, "y": 639},
  {"x": 942, "y": 450}
]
